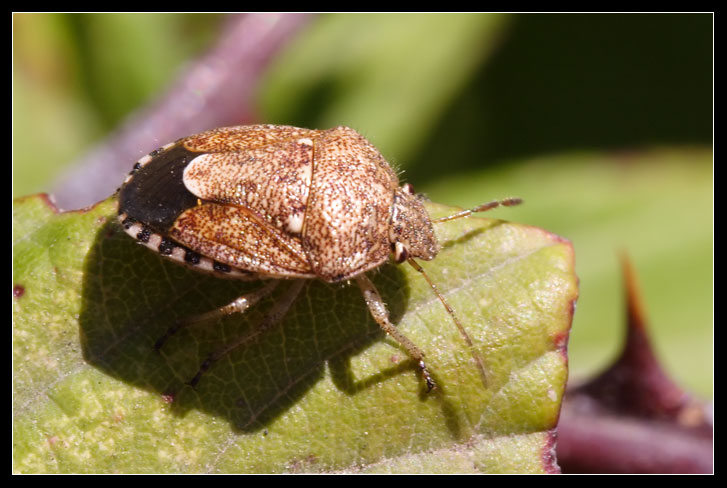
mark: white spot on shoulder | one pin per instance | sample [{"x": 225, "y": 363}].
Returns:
[
  {"x": 295, "y": 223},
  {"x": 305, "y": 141},
  {"x": 191, "y": 177}
]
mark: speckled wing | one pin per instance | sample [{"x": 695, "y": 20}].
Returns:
[
  {"x": 346, "y": 230},
  {"x": 244, "y": 137},
  {"x": 272, "y": 180},
  {"x": 233, "y": 235},
  {"x": 253, "y": 184}
]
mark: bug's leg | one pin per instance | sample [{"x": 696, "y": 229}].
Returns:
[
  {"x": 377, "y": 307},
  {"x": 239, "y": 305},
  {"x": 276, "y": 314}
]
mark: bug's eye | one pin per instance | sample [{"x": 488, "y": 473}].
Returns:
[
  {"x": 400, "y": 252},
  {"x": 408, "y": 188}
]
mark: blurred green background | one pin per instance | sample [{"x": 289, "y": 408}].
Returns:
[{"x": 601, "y": 123}]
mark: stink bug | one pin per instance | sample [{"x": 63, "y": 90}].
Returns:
[{"x": 267, "y": 202}]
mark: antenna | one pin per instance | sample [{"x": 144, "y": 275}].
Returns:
[
  {"x": 507, "y": 202},
  {"x": 450, "y": 311}
]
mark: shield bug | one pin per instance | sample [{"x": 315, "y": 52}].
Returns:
[{"x": 267, "y": 202}]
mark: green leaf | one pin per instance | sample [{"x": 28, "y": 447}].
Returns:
[{"x": 324, "y": 391}]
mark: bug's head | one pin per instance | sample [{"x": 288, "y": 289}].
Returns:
[{"x": 411, "y": 233}]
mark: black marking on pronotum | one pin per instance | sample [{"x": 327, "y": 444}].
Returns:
[
  {"x": 222, "y": 267},
  {"x": 156, "y": 194}
]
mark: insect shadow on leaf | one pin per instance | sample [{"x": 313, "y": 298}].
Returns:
[{"x": 130, "y": 299}]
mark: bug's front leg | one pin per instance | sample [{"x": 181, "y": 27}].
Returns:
[
  {"x": 378, "y": 310},
  {"x": 239, "y": 305}
]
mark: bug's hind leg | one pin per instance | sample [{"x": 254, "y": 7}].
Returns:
[
  {"x": 276, "y": 314},
  {"x": 377, "y": 307},
  {"x": 239, "y": 305}
]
